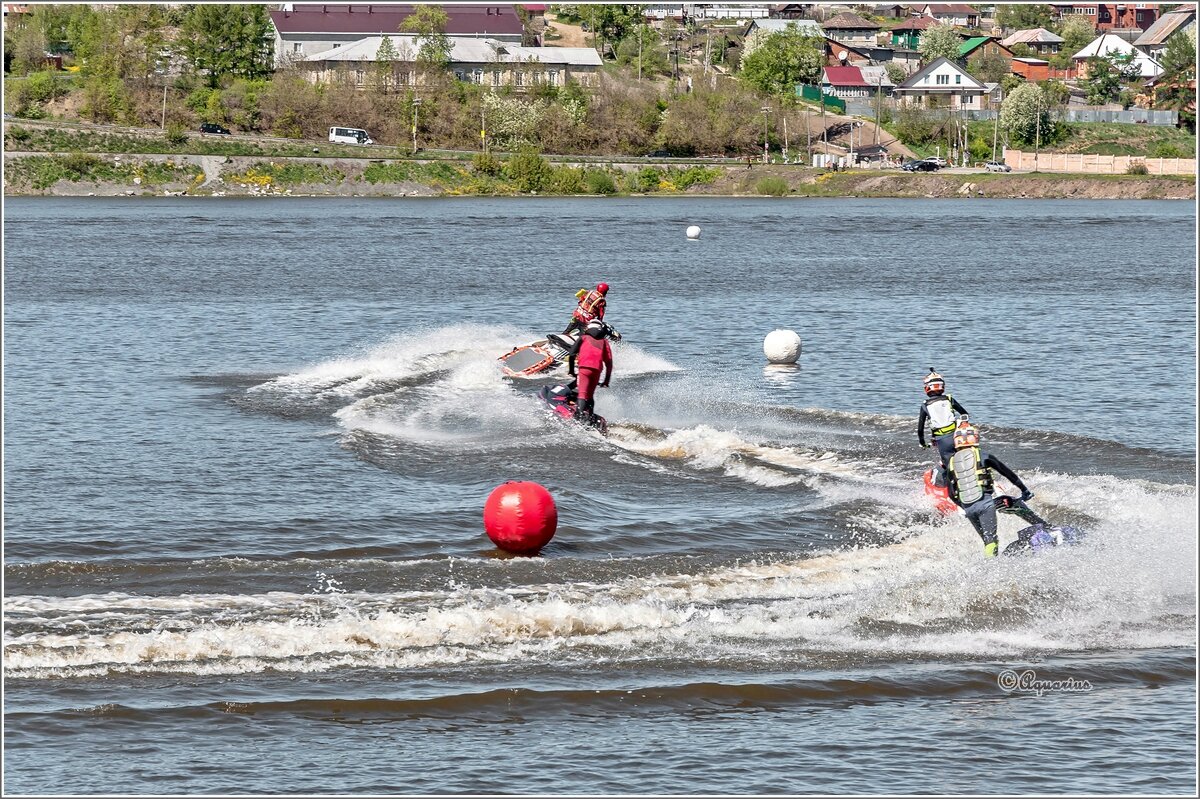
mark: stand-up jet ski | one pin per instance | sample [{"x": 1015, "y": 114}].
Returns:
[
  {"x": 543, "y": 356},
  {"x": 562, "y": 401},
  {"x": 1039, "y": 536}
]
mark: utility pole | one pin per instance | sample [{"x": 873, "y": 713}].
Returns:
[
  {"x": 1037, "y": 142},
  {"x": 483, "y": 125},
  {"x": 766, "y": 118},
  {"x": 808, "y": 135},
  {"x": 416, "y": 103},
  {"x": 785, "y": 137},
  {"x": 995, "y": 134},
  {"x": 640, "y": 52},
  {"x": 163, "y": 126},
  {"x": 878, "y": 99}
]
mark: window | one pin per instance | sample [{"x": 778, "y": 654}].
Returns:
[
  {"x": 958, "y": 80},
  {"x": 477, "y": 76},
  {"x": 297, "y": 47},
  {"x": 552, "y": 77},
  {"x": 402, "y": 77},
  {"x": 518, "y": 78},
  {"x": 496, "y": 77},
  {"x": 359, "y": 76},
  {"x": 943, "y": 80},
  {"x": 458, "y": 74}
]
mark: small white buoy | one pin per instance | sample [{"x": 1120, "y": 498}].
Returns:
[
  {"x": 782, "y": 346},
  {"x": 693, "y": 232}
]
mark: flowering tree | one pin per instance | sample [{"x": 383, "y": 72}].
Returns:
[{"x": 1023, "y": 110}]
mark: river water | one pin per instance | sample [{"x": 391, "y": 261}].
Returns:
[{"x": 247, "y": 445}]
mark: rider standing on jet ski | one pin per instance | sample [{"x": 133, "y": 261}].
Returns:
[
  {"x": 940, "y": 411},
  {"x": 591, "y": 306},
  {"x": 594, "y": 355},
  {"x": 969, "y": 479}
]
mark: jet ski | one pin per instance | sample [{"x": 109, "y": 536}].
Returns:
[
  {"x": 543, "y": 356},
  {"x": 937, "y": 490},
  {"x": 1040, "y": 535},
  {"x": 561, "y": 400}
]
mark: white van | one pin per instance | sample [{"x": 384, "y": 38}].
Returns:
[{"x": 350, "y": 136}]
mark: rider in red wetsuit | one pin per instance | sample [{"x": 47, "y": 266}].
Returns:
[
  {"x": 591, "y": 306},
  {"x": 594, "y": 356}
]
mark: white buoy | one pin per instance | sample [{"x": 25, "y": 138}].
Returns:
[
  {"x": 782, "y": 346},
  {"x": 693, "y": 232}
]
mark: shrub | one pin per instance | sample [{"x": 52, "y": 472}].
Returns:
[
  {"x": 1137, "y": 168},
  {"x": 772, "y": 186},
  {"x": 18, "y": 134},
  {"x": 567, "y": 180},
  {"x": 599, "y": 182},
  {"x": 1168, "y": 150},
  {"x": 646, "y": 179},
  {"x": 528, "y": 170},
  {"x": 80, "y": 164},
  {"x": 487, "y": 164},
  {"x": 695, "y": 174},
  {"x": 915, "y": 127},
  {"x": 175, "y": 134}
]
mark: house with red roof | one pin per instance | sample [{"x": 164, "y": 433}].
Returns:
[
  {"x": 850, "y": 82},
  {"x": 305, "y": 29}
]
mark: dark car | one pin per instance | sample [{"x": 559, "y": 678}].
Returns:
[
  {"x": 213, "y": 127},
  {"x": 659, "y": 154},
  {"x": 920, "y": 166}
]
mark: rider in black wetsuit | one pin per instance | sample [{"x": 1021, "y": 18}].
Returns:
[
  {"x": 939, "y": 410},
  {"x": 969, "y": 478}
]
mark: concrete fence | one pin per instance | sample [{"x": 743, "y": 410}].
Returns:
[
  {"x": 1141, "y": 116},
  {"x": 1097, "y": 164}
]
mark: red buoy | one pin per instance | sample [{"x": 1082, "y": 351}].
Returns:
[{"x": 520, "y": 517}]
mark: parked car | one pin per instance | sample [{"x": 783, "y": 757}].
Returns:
[
  {"x": 997, "y": 166},
  {"x": 350, "y": 136},
  {"x": 659, "y": 154},
  {"x": 937, "y": 161},
  {"x": 213, "y": 127},
  {"x": 925, "y": 165}
]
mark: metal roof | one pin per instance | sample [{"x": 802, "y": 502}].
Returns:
[
  {"x": 844, "y": 76},
  {"x": 1033, "y": 36},
  {"x": 1165, "y": 26},
  {"x": 465, "y": 50},
  {"x": 387, "y": 18},
  {"x": 848, "y": 21}
]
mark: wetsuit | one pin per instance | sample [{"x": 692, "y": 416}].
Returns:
[
  {"x": 592, "y": 306},
  {"x": 593, "y": 356},
  {"x": 969, "y": 479},
  {"x": 939, "y": 410}
]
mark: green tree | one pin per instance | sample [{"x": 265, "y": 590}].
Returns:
[
  {"x": 1106, "y": 74},
  {"x": 433, "y": 45},
  {"x": 990, "y": 67},
  {"x": 1056, "y": 92},
  {"x": 648, "y": 49},
  {"x": 228, "y": 40},
  {"x": 784, "y": 59},
  {"x": 385, "y": 58},
  {"x": 1023, "y": 111},
  {"x": 895, "y": 72},
  {"x": 611, "y": 22},
  {"x": 1077, "y": 31},
  {"x": 940, "y": 41},
  {"x": 1180, "y": 53},
  {"x": 1015, "y": 17}
]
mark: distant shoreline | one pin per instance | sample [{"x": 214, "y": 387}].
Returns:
[{"x": 143, "y": 174}]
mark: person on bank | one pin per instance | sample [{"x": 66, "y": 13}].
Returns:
[
  {"x": 592, "y": 305},
  {"x": 969, "y": 478},
  {"x": 592, "y": 358},
  {"x": 941, "y": 411}
]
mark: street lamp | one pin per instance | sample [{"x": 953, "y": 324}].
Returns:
[{"x": 766, "y": 110}]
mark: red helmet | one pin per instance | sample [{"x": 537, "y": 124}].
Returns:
[
  {"x": 934, "y": 384},
  {"x": 602, "y": 288}
]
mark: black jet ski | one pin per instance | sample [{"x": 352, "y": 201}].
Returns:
[{"x": 562, "y": 399}]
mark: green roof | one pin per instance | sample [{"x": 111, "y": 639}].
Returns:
[{"x": 971, "y": 44}]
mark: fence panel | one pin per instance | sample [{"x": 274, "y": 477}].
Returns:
[{"x": 815, "y": 94}]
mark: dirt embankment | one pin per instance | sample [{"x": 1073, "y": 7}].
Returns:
[{"x": 197, "y": 175}]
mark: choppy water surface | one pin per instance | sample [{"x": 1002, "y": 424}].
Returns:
[{"x": 247, "y": 445}]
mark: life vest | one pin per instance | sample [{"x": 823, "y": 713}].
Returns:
[
  {"x": 593, "y": 353},
  {"x": 941, "y": 415},
  {"x": 969, "y": 478},
  {"x": 590, "y": 307}
]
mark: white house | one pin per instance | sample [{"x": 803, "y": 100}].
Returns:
[
  {"x": 952, "y": 14},
  {"x": 488, "y": 62},
  {"x": 1107, "y": 44},
  {"x": 943, "y": 84}
]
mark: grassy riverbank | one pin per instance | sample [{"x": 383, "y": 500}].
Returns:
[{"x": 42, "y": 161}]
